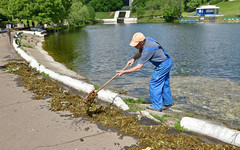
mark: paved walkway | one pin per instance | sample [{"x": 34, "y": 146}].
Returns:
[{"x": 27, "y": 124}]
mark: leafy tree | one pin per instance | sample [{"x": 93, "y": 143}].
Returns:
[
  {"x": 139, "y": 3},
  {"x": 87, "y": 1},
  {"x": 171, "y": 10},
  {"x": 140, "y": 12},
  {"x": 67, "y": 4},
  {"x": 191, "y": 5},
  {"x": 41, "y": 10},
  {"x": 125, "y": 2},
  {"x": 134, "y": 9},
  {"x": 48, "y": 11},
  {"x": 92, "y": 13},
  {"x": 80, "y": 14},
  {"x": 4, "y": 7},
  {"x": 15, "y": 7},
  {"x": 204, "y": 1},
  {"x": 153, "y": 5},
  {"x": 106, "y": 5},
  {"x": 212, "y": 2}
]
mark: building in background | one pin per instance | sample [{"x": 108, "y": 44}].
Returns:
[{"x": 208, "y": 10}]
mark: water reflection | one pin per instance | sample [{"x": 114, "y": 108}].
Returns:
[{"x": 69, "y": 47}]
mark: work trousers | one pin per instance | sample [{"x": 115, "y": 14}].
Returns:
[{"x": 159, "y": 85}]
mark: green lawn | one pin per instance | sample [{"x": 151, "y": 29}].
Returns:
[
  {"x": 105, "y": 15},
  {"x": 230, "y": 9},
  {"x": 147, "y": 14}
]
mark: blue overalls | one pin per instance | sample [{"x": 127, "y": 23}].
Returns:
[{"x": 159, "y": 85}]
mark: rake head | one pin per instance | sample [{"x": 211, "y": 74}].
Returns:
[{"x": 91, "y": 95}]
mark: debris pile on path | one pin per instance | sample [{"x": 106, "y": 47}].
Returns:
[{"x": 154, "y": 136}]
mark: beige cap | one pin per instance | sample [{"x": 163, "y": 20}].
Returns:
[{"x": 137, "y": 37}]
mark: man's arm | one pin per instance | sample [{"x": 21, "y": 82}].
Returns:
[
  {"x": 137, "y": 56},
  {"x": 138, "y": 67}
]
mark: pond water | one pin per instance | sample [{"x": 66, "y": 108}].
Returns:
[{"x": 206, "y": 62}]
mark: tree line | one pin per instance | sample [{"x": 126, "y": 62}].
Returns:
[
  {"x": 76, "y": 12},
  {"x": 81, "y": 12},
  {"x": 48, "y": 11}
]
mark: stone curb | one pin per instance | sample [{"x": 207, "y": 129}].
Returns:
[{"x": 219, "y": 132}]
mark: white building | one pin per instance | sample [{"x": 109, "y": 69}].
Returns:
[{"x": 208, "y": 10}]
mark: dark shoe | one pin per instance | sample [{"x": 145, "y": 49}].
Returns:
[
  {"x": 150, "y": 107},
  {"x": 167, "y": 106}
]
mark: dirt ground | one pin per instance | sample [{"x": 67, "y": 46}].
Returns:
[{"x": 27, "y": 124}]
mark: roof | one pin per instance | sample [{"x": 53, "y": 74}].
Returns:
[{"x": 208, "y": 7}]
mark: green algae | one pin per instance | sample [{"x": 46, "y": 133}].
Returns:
[{"x": 154, "y": 136}]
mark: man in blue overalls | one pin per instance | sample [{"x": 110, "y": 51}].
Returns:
[{"x": 159, "y": 85}]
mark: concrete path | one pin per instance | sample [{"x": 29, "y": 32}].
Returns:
[{"x": 27, "y": 124}]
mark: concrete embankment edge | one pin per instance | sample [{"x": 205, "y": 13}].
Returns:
[
  {"x": 213, "y": 130},
  {"x": 105, "y": 95}
]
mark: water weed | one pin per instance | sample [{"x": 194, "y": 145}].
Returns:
[{"x": 154, "y": 136}]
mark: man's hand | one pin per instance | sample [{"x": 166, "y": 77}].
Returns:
[
  {"x": 120, "y": 72},
  {"x": 130, "y": 62}
]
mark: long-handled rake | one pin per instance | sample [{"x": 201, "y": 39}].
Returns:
[{"x": 93, "y": 93}]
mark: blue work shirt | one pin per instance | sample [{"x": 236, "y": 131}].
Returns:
[{"x": 155, "y": 56}]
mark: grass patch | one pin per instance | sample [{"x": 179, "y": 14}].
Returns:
[
  {"x": 230, "y": 8},
  {"x": 135, "y": 108},
  {"x": 148, "y": 14},
  {"x": 170, "y": 116},
  {"x": 151, "y": 20},
  {"x": 162, "y": 118},
  {"x": 45, "y": 75},
  {"x": 147, "y": 17},
  {"x": 24, "y": 50},
  {"x": 132, "y": 101},
  {"x": 96, "y": 87},
  {"x": 105, "y": 15},
  {"x": 28, "y": 46},
  {"x": 189, "y": 115},
  {"x": 132, "y": 104},
  {"x": 179, "y": 127}
]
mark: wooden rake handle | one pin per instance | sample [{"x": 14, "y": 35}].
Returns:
[{"x": 111, "y": 79}]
